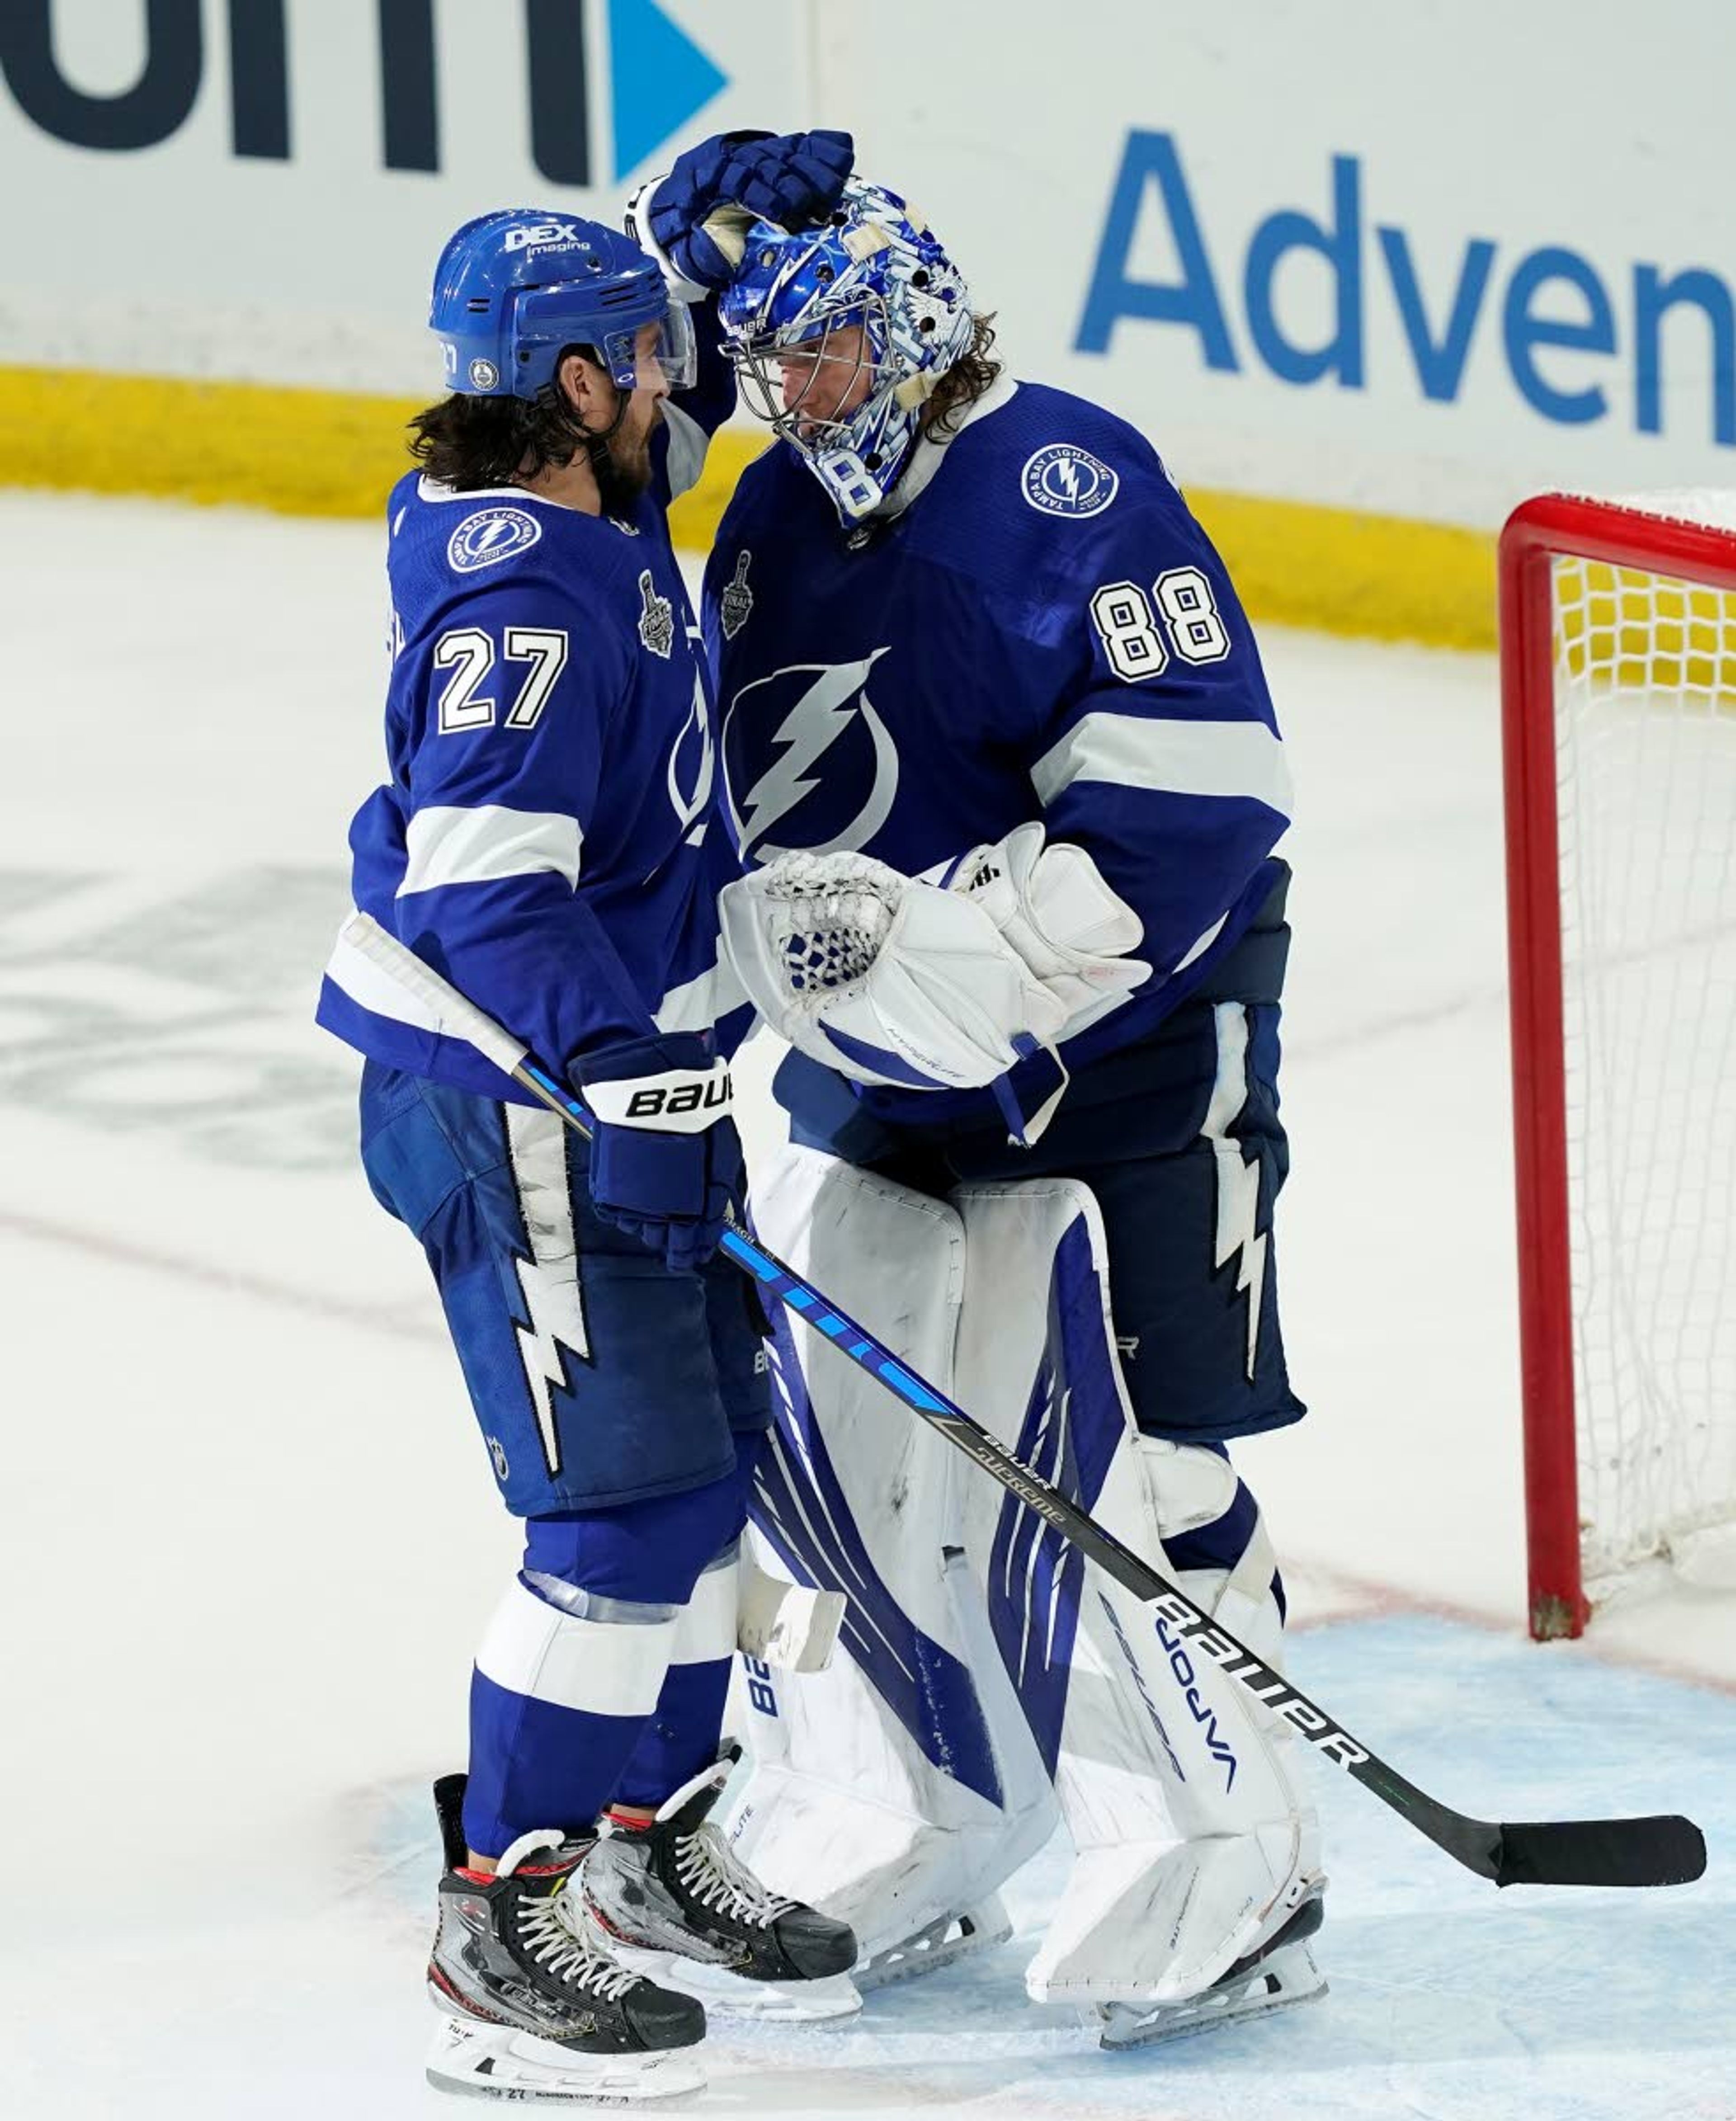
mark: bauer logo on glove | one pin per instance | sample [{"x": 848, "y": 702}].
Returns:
[
  {"x": 657, "y": 1108},
  {"x": 676, "y": 1101}
]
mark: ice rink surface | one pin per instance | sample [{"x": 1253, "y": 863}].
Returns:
[{"x": 250, "y": 1541}]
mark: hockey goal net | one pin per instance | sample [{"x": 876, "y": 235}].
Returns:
[{"x": 1618, "y": 671}]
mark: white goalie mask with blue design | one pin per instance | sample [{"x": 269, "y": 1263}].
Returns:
[{"x": 839, "y": 334}]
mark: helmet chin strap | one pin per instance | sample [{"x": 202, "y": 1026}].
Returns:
[
  {"x": 594, "y": 442},
  {"x": 615, "y": 492}
]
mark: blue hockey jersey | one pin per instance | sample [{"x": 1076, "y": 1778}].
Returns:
[
  {"x": 1042, "y": 632},
  {"x": 551, "y": 837}
]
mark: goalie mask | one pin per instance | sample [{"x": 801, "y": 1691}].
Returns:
[{"x": 792, "y": 317}]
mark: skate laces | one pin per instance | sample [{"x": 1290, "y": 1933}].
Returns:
[
  {"x": 548, "y": 1928},
  {"x": 708, "y": 1870}
]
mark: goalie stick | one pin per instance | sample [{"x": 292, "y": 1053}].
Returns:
[{"x": 1662, "y": 1851}]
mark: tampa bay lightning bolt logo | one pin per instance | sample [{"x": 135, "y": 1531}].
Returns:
[
  {"x": 1062, "y": 479},
  {"x": 793, "y": 749},
  {"x": 490, "y": 536}
]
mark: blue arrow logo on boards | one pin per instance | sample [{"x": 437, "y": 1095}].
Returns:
[{"x": 659, "y": 77}]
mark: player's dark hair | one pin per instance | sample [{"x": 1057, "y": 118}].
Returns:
[
  {"x": 469, "y": 442},
  {"x": 968, "y": 378}
]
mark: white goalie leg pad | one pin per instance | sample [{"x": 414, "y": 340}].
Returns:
[
  {"x": 896, "y": 1788},
  {"x": 1193, "y": 1843}
]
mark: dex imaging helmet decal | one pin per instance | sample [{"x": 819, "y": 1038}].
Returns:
[
  {"x": 490, "y": 536},
  {"x": 1062, "y": 479}
]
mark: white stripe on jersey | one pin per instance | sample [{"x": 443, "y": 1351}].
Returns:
[
  {"x": 1171, "y": 757},
  {"x": 445, "y": 844},
  {"x": 699, "y": 1004},
  {"x": 695, "y": 1006},
  {"x": 375, "y": 990}
]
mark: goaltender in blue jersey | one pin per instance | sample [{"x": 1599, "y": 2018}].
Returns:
[
  {"x": 550, "y": 841},
  {"x": 1006, "y": 775},
  {"x": 1044, "y": 635}
]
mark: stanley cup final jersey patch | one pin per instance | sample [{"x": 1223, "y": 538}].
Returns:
[
  {"x": 657, "y": 620},
  {"x": 736, "y": 603}
]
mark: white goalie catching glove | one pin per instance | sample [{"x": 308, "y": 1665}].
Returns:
[
  {"x": 1050, "y": 903},
  {"x": 886, "y": 979},
  {"x": 930, "y": 985}
]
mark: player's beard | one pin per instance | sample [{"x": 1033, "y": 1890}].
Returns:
[{"x": 622, "y": 467}]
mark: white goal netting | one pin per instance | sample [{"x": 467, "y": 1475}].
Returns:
[{"x": 1645, "y": 734}]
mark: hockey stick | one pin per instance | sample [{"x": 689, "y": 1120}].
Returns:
[{"x": 1668, "y": 1851}]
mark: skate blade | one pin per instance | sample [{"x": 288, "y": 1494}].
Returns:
[
  {"x": 481, "y": 2061},
  {"x": 1279, "y": 1983},
  {"x": 932, "y": 1948},
  {"x": 728, "y": 1994}
]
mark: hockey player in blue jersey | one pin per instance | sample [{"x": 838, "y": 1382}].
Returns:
[
  {"x": 1002, "y": 763},
  {"x": 549, "y": 839}
]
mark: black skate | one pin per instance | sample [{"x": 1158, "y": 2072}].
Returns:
[
  {"x": 671, "y": 1900},
  {"x": 532, "y": 2005}
]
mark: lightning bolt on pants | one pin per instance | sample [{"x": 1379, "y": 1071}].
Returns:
[{"x": 620, "y": 1406}]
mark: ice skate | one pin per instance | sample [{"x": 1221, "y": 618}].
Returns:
[
  {"x": 671, "y": 1901},
  {"x": 940, "y": 1943},
  {"x": 532, "y": 2005},
  {"x": 1272, "y": 1976}
]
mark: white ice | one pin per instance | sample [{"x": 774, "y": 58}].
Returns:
[{"x": 250, "y": 1541}]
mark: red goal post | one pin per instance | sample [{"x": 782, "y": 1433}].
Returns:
[{"x": 1618, "y": 684}]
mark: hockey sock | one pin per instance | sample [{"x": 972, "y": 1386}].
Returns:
[
  {"x": 681, "y": 1736},
  {"x": 572, "y": 1666}
]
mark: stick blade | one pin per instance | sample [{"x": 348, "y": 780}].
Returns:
[{"x": 1668, "y": 1851}]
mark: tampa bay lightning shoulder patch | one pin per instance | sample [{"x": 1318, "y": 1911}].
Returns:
[
  {"x": 490, "y": 536},
  {"x": 1062, "y": 479}
]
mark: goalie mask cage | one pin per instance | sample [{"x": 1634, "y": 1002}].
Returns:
[{"x": 1618, "y": 681}]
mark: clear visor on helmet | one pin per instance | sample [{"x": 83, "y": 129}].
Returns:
[
  {"x": 648, "y": 356},
  {"x": 809, "y": 383}
]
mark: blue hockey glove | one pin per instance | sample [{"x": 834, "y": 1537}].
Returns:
[
  {"x": 793, "y": 179},
  {"x": 665, "y": 1159}
]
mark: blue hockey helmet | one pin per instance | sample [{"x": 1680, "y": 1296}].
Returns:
[
  {"x": 874, "y": 264},
  {"x": 512, "y": 289}
]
